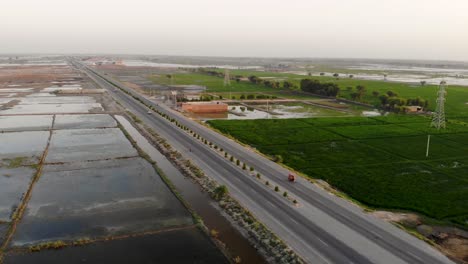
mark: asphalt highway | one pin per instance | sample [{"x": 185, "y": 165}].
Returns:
[{"x": 323, "y": 229}]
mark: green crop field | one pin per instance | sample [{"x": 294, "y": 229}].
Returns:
[
  {"x": 379, "y": 161},
  {"x": 212, "y": 83}
]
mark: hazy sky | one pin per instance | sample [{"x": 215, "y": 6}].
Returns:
[{"x": 419, "y": 29}]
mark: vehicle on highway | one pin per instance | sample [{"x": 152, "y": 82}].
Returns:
[
  {"x": 291, "y": 177},
  {"x": 149, "y": 112}
]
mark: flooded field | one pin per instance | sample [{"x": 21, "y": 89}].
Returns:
[
  {"x": 274, "y": 111},
  {"x": 25, "y": 123},
  {"x": 91, "y": 183},
  {"x": 178, "y": 246},
  {"x": 55, "y": 100},
  {"x": 13, "y": 184},
  {"x": 98, "y": 199},
  {"x": 88, "y": 144},
  {"x": 84, "y": 121},
  {"x": 25, "y": 109},
  {"x": 3, "y": 231},
  {"x": 28, "y": 145},
  {"x": 140, "y": 63},
  {"x": 402, "y": 73}
]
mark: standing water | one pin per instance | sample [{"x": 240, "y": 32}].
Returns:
[{"x": 199, "y": 201}]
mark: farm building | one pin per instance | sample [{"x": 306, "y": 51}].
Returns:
[
  {"x": 414, "y": 109},
  {"x": 205, "y": 107}
]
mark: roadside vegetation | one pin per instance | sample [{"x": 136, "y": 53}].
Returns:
[{"x": 379, "y": 161}]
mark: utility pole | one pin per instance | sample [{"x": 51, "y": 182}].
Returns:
[
  {"x": 427, "y": 148},
  {"x": 268, "y": 109}
]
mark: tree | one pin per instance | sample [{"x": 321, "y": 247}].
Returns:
[
  {"x": 361, "y": 90},
  {"x": 309, "y": 73},
  {"x": 220, "y": 192},
  {"x": 214, "y": 233},
  {"x": 354, "y": 96},
  {"x": 423, "y": 83},
  {"x": 336, "y": 75},
  {"x": 426, "y": 104},
  {"x": 383, "y": 99},
  {"x": 351, "y": 76},
  {"x": 253, "y": 79},
  {"x": 391, "y": 94},
  {"x": 287, "y": 85},
  {"x": 278, "y": 158},
  {"x": 276, "y": 85},
  {"x": 375, "y": 93}
]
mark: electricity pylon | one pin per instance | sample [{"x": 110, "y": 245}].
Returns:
[
  {"x": 227, "y": 81},
  {"x": 438, "y": 117}
]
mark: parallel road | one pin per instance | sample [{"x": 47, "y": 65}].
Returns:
[{"x": 325, "y": 229}]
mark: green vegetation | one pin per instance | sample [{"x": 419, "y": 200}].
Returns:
[
  {"x": 316, "y": 87},
  {"x": 48, "y": 245},
  {"x": 379, "y": 161},
  {"x": 212, "y": 83},
  {"x": 16, "y": 162},
  {"x": 220, "y": 192}
]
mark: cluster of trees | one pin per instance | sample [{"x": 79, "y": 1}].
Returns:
[
  {"x": 211, "y": 72},
  {"x": 252, "y": 96},
  {"x": 272, "y": 84},
  {"x": 392, "y": 102},
  {"x": 316, "y": 87},
  {"x": 203, "y": 98},
  {"x": 358, "y": 94}
]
